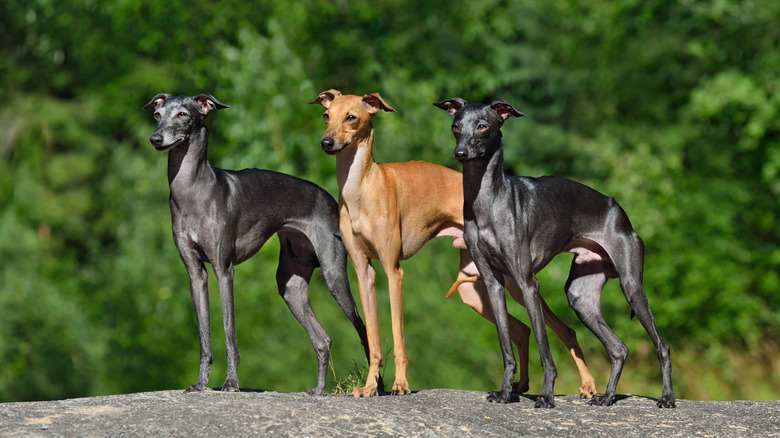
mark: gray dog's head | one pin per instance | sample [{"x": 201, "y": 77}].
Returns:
[
  {"x": 179, "y": 117},
  {"x": 477, "y": 126}
]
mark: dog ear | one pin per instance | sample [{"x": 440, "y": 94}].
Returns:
[
  {"x": 326, "y": 97},
  {"x": 374, "y": 102},
  {"x": 506, "y": 110},
  {"x": 452, "y": 106},
  {"x": 208, "y": 102},
  {"x": 157, "y": 101}
]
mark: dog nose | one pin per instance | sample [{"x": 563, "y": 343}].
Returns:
[
  {"x": 327, "y": 143},
  {"x": 460, "y": 153},
  {"x": 156, "y": 139}
]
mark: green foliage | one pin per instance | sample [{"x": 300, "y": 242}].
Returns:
[{"x": 670, "y": 107}]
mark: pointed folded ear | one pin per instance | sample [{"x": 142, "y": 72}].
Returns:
[
  {"x": 506, "y": 110},
  {"x": 157, "y": 101},
  {"x": 208, "y": 102},
  {"x": 373, "y": 103},
  {"x": 452, "y": 106},
  {"x": 326, "y": 97}
]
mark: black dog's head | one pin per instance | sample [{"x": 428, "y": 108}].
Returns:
[
  {"x": 179, "y": 117},
  {"x": 477, "y": 126}
]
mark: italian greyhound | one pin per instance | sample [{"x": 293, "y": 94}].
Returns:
[
  {"x": 388, "y": 212},
  {"x": 223, "y": 217},
  {"x": 514, "y": 226}
]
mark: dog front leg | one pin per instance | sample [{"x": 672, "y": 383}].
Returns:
[
  {"x": 495, "y": 292},
  {"x": 474, "y": 294},
  {"x": 200, "y": 300},
  {"x": 225, "y": 277},
  {"x": 366, "y": 288},
  {"x": 395, "y": 283},
  {"x": 533, "y": 303}
]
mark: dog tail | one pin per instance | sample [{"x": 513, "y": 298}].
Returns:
[
  {"x": 311, "y": 262},
  {"x": 458, "y": 282}
]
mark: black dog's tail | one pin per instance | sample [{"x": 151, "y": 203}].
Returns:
[{"x": 308, "y": 262}]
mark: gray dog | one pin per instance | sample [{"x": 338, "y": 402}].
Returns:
[
  {"x": 223, "y": 217},
  {"x": 515, "y": 226}
]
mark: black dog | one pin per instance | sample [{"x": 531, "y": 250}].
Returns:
[
  {"x": 223, "y": 217},
  {"x": 515, "y": 226}
]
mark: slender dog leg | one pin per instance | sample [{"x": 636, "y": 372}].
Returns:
[
  {"x": 225, "y": 277},
  {"x": 474, "y": 294},
  {"x": 333, "y": 260},
  {"x": 200, "y": 300},
  {"x": 583, "y": 289},
  {"x": 629, "y": 263},
  {"x": 395, "y": 282},
  {"x": 292, "y": 280},
  {"x": 641, "y": 308},
  {"x": 566, "y": 334},
  {"x": 533, "y": 302},
  {"x": 495, "y": 292},
  {"x": 366, "y": 283}
]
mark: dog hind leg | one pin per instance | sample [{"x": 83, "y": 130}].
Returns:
[{"x": 292, "y": 279}]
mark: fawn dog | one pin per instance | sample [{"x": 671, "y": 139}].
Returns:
[{"x": 387, "y": 212}]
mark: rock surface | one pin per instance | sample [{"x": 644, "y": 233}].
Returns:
[{"x": 439, "y": 412}]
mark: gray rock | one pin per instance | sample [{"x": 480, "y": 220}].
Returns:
[{"x": 429, "y": 413}]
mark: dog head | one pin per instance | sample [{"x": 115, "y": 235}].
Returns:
[
  {"x": 179, "y": 117},
  {"x": 347, "y": 117},
  {"x": 477, "y": 126}
]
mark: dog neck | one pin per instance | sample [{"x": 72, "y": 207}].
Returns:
[
  {"x": 482, "y": 177},
  {"x": 188, "y": 163},
  {"x": 354, "y": 165}
]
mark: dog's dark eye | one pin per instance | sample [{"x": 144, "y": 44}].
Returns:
[
  {"x": 181, "y": 115},
  {"x": 455, "y": 129},
  {"x": 481, "y": 127},
  {"x": 350, "y": 118},
  {"x": 157, "y": 116},
  {"x": 326, "y": 117}
]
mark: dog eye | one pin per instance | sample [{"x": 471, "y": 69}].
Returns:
[
  {"x": 350, "y": 118},
  {"x": 481, "y": 127},
  {"x": 455, "y": 129},
  {"x": 326, "y": 117},
  {"x": 181, "y": 115},
  {"x": 156, "y": 116}
]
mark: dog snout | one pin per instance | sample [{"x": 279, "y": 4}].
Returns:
[
  {"x": 461, "y": 153},
  {"x": 328, "y": 144},
  {"x": 156, "y": 139}
]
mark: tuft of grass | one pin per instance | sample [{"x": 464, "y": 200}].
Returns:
[
  {"x": 351, "y": 381},
  {"x": 357, "y": 377}
]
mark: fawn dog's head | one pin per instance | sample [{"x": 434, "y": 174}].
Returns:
[{"x": 348, "y": 118}]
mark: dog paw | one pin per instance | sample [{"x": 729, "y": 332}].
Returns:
[
  {"x": 588, "y": 390},
  {"x": 195, "y": 388},
  {"x": 366, "y": 391},
  {"x": 315, "y": 392},
  {"x": 520, "y": 387},
  {"x": 666, "y": 402},
  {"x": 498, "y": 397},
  {"x": 544, "y": 402},
  {"x": 230, "y": 386},
  {"x": 602, "y": 400},
  {"x": 401, "y": 388}
]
